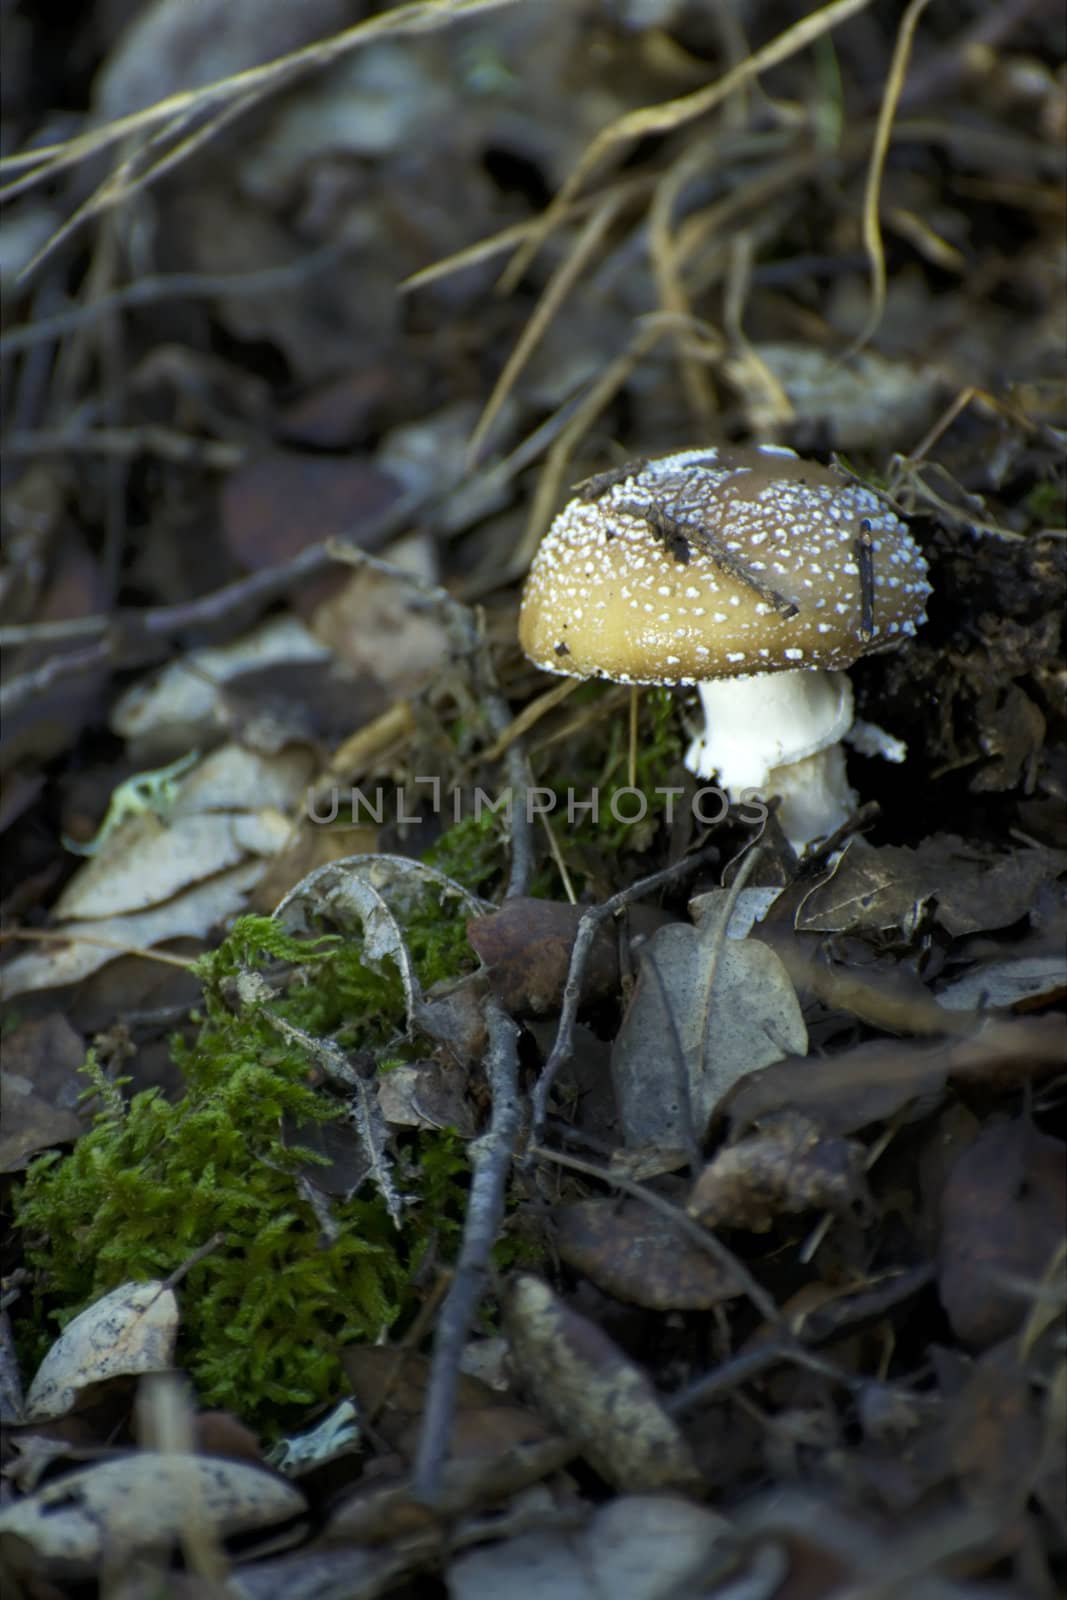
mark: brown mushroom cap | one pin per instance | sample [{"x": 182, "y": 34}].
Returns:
[{"x": 616, "y": 592}]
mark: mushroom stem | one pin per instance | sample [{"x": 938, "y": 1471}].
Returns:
[{"x": 777, "y": 733}]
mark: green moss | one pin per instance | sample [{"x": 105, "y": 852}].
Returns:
[
  {"x": 266, "y": 1312},
  {"x": 473, "y": 851},
  {"x": 1046, "y": 503},
  {"x": 625, "y": 823}
]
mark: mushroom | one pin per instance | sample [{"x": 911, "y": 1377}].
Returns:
[{"x": 755, "y": 575}]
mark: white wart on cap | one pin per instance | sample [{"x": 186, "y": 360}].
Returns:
[{"x": 721, "y": 564}]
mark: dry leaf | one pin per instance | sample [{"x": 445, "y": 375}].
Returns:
[
  {"x": 639, "y": 1256},
  {"x": 1003, "y": 1215},
  {"x": 637, "y": 1548},
  {"x": 130, "y": 1331},
  {"x": 786, "y": 1167},
  {"x": 705, "y": 1013},
  {"x": 594, "y": 1394},
  {"x": 141, "y": 1505}
]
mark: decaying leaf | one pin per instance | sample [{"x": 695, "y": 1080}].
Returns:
[
  {"x": 156, "y": 878},
  {"x": 141, "y": 1505},
  {"x": 787, "y": 1166},
  {"x": 967, "y": 889},
  {"x": 640, "y": 1547},
  {"x": 877, "y": 1081},
  {"x": 526, "y": 946},
  {"x": 593, "y": 1393},
  {"x": 1003, "y": 1215},
  {"x": 427, "y": 1094},
  {"x": 29, "y": 1123},
  {"x": 390, "y": 1386},
  {"x": 128, "y": 1332},
  {"x": 707, "y": 1010},
  {"x": 1009, "y": 985},
  {"x": 376, "y": 1512},
  {"x": 185, "y": 704},
  {"x": 637, "y": 1255}
]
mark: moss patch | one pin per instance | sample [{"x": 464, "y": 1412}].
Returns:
[{"x": 265, "y": 1314}]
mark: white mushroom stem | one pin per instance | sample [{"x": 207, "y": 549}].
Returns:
[{"x": 777, "y": 734}]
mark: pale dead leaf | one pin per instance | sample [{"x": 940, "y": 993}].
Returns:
[
  {"x": 185, "y": 695},
  {"x": 128, "y": 1332},
  {"x": 91, "y": 945},
  {"x": 140, "y": 1505},
  {"x": 640, "y": 1547},
  {"x": 725, "y": 1009}
]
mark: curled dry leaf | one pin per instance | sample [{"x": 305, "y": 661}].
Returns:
[
  {"x": 706, "y": 1012},
  {"x": 638, "y": 1256},
  {"x": 154, "y": 880},
  {"x": 338, "y": 1434},
  {"x": 141, "y": 1505},
  {"x": 786, "y": 1167},
  {"x": 1003, "y": 1213},
  {"x": 371, "y": 893},
  {"x": 594, "y": 1393},
  {"x": 148, "y": 861},
  {"x": 128, "y": 1332}
]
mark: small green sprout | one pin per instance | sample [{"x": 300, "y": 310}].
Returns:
[{"x": 154, "y": 791}]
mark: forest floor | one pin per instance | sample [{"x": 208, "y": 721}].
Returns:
[{"x": 419, "y": 1182}]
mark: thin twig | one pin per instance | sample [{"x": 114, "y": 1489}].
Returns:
[
  {"x": 171, "y": 286},
  {"x": 583, "y": 944},
  {"x": 799, "y": 1347},
  {"x": 491, "y": 1159},
  {"x": 122, "y": 444}
]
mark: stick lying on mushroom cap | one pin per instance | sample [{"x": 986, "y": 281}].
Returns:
[{"x": 751, "y": 573}]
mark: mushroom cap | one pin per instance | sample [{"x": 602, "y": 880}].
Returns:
[{"x": 627, "y": 585}]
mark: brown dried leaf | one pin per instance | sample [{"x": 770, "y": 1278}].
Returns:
[
  {"x": 638, "y": 1256},
  {"x": 1003, "y": 1214},
  {"x": 888, "y": 887},
  {"x": 787, "y": 1167},
  {"x": 277, "y": 505},
  {"x": 377, "y": 1512},
  {"x": 595, "y": 1394},
  {"x": 527, "y": 945},
  {"x": 877, "y": 1081},
  {"x": 390, "y": 1386},
  {"x": 48, "y": 1052},
  {"x": 426, "y": 1094}
]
